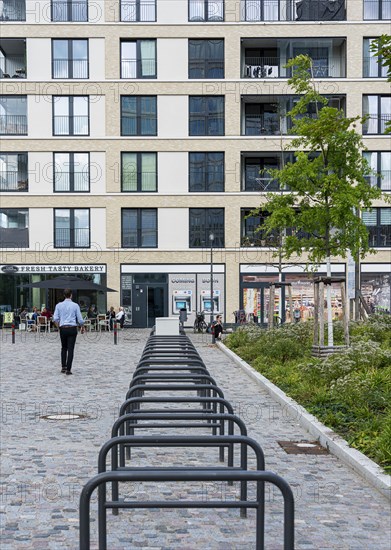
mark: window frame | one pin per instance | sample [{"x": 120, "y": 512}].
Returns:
[
  {"x": 139, "y": 227},
  {"x": 206, "y": 162},
  {"x": 71, "y": 174},
  {"x": 139, "y": 155},
  {"x": 378, "y": 169},
  {"x": 137, "y": 18},
  {"x": 72, "y": 228},
  {"x": 206, "y": 230},
  {"x": 18, "y": 243},
  {"x": 138, "y": 58},
  {"x": 139, "y": 115},
  {"x": 206, "y": 115},
  {"x": 70, "y": 115},
  {"x": 380, "y": 114},
  {"x": 70, "y": 59},
  {"x": 379, "y": 11},
  {"x": 69, "y": 18},
  {"x": 206, "y": 13},
  {"x": 189, "y": 41},
  {"x": 378, "y": 227},
  {"x": 19, "y": 162}
]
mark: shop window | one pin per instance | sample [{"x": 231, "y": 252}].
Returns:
[{"x": 202, "y": 223}]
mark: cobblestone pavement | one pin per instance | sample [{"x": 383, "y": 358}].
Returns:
[{"x": 45, "y": 463}]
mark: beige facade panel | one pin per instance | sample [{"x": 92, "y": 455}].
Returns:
[
  {"x": 172, "y": 58},
  {"x": 172, "y": 12},
  {"x": 172, "y": 116},
  {"x": 173, "y": 169},
  {"x": 39, "y": 59},
  {"x": 173, "y": 228}
]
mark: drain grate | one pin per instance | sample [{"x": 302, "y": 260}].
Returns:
[
  {"x": 302, "y": 448},
  {"x": 64, "y": 416}
]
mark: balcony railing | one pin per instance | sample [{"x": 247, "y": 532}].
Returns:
[
  {"x": 257, "y": 125},
  {"x": 199, "y": 11},
  {"x": 13, "y": 181},
  {"x": 146, "y": 68},
  {"x": 376, "y": 124},
  {"x": 293, "y": 10},
  {"x": 70, "y": 68},
  {"x": 258, "y": 183},
  {"x": 144, "y": 11},
  {"x": 147, "y": 183},
  {"x": 260, "y": 240},
  {"x": 384, "y": 182},
  {"x": 12, "y": 66},
  {"x": 72, "y": 238},
  {"x": 272, "y": 67},
  {"x": 66, "y": 10},
  {"x": 12, "y": 10},
  {"x": 14, "y": 125},
  {"x": 76, "y": 182},
  {"x": 71, "y": 126}
]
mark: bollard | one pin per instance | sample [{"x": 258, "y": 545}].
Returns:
[
  {"x": 13, "y": 333},
  {"x": 115, "y": 332}
]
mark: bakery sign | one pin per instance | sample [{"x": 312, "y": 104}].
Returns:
[{"x": 59, "y": 268}]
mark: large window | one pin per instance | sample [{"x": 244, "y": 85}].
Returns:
[
  {"x": 71, "y": 172},
  {"x": 206, "y": 10},
  {"x": 377, "y": 9},
  {"x": 293, "y": 10},
  {"x": 139, "y": 172},
  {"x": 70, "y": 58},
  {"x": 206, "y": 115},
  {"x": 378, "y": 222},
  {"x": 138, "y": 10},
  {"x": 138, "y": 59},
  {"x": 206, "y": 172},
  {"x": 256, "y": 172},
  {"x": 14, "y": 228},
  {"x": 71, "y": 116},
  {"x": 373, "y": 67},
  {"x": 202, "y": 223},
  {"x": 13, "y": 10},
  {"x": 251, "y": 230},
  {"x": 71, "y": 228},
  {"x": 138, "y": 115},
  {"x": 13, "y": 172},
  {"x": 13, "y": 115},
  {"x": 378, "y": 110},
  {"x": 206, "y": 58},
  {"x": 380, "y": 162},
  {"x": 139, "y": 228},
  {"x": 70, "y": 10}
]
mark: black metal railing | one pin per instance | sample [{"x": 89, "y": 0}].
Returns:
[
  {"x": 145, "y": 68},
  {"x": 72, "y": 238},
  {"x": 376, "y": 124},
  {"x": 373, "y": 68},
  {"x": 68, "y": 10},
  {"x": 139, "y": 238},
  {"x": 13, "y": 10},
  {"x": 70, "y": 68},
  {"x": 71, "y": 126},
  {"x": 145, "y": 10},
  {"x": 293, "y": 10},
  {"x": 11, "y": 180},
  {"x": 75, "y": 181},
  {"x": 13, "y": 66},
  {"x": 14, "y": 125},
  {"x": 212, "y": 10},
  {"x": 134, "y": 181},
  {"x": 271, "y": 67}
]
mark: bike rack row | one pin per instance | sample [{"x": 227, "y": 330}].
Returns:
[{"x": 172, "y": 364}]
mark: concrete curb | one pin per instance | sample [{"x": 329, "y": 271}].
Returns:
[{"x": 363, "y": 465}]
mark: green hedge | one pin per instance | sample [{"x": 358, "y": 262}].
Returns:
[{"x": 349, "y": 391}]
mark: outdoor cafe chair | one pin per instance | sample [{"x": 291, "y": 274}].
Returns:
[{"x": 43, "y": 322}]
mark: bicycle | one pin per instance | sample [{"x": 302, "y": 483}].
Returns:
[{"x": 200, "y": 324}]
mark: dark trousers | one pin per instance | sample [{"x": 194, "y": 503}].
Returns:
[{"x": 68, "y": 341}]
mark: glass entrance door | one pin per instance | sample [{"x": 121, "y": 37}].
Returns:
[
  {"x": 256, "y": 303},
  {"x": 149, "y": 301}
]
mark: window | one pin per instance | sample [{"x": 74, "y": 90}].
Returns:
[
  {"x": 251, "y": 234},
  {"x": 206, "y": 172},
  {"x": 206, "y": 10},
  {"x": 206, "y": 58},
  {"x": 71, "y": 116},
  {"x": 71, "y": 172},
  {"x": 378, "y": 108},
  {"x": 71, "y": 228},
  {"x": 70, "y": 10},
  {"x": 291, "y": 10},
  {"x": 139, "y": 228},
  {"x": 320, "y": 59},
  {"x": 139, "y": 172},
  {"x": 13, "y": 115},
  {"x": 138, "y": 10},
  {"x": 256, "y": 176},
  {"x": 206, "y": 115},
  {"x": 373, "y": 67},
  {"x": 138, "y": 59},
  {"x": 377, "y": 9},
  {"x": 13, "y": 10},
  {"x": 70, "y": 58},
  {"x": 138, "y": 116},
  {"x": 380, "y": 162},
  {"x": 203, "y": 222},
  {"x": 14, "y": 224},
  {"x": 13, "y": 172},
  {"x": 378, "y": 222}
]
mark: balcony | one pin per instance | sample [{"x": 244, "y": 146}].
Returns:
[
  {"x": 293, "y": 10},
  {"x": 12, "y": 58},
  {"x": 10, "y": 180},
  {"x": 12, "y": 10},
  {"x": 266, "y": 58}
]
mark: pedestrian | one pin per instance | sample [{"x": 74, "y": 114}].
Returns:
[
  {"x": 218, "y": 327},
  {"x": 67, "y": 316}
]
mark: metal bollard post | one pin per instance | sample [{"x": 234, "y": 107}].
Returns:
[
  {"x": 13, "y": 333},
  {"x": 115, "y": 332}
]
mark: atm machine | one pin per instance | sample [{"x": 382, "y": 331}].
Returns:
[
  {"x": 182, "y": 299},
  {"x": 205, "y": 301}
]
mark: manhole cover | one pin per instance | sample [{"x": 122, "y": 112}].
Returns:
[
  {"x": 303, "y": 448},
  {"x": 65, "y": 416}
]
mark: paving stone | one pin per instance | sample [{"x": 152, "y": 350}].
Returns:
[{"x": 45, "y": 463}]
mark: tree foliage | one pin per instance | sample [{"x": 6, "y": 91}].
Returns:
[
  {"x": 382, "y": 48},
  {"x": 327, "y": 182}
]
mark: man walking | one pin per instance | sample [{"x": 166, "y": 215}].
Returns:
[{"x": 67, "y": 316}]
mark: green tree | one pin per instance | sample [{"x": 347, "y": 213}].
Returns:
[
  {"x": 382, "y": 48},
  {"x": 327, "y": 182}
]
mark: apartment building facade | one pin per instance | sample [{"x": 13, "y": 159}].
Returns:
[{"x": 133, "y": 130}]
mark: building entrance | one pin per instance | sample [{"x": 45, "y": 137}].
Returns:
[{"x": 149, "y": 301}]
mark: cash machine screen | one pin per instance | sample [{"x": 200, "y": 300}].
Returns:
[
  {"x": 181, "y": 305},
  {"x": 208, "y": 305}
]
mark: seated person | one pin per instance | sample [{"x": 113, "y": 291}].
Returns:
[
  {"x": 92, "y": 315},
  {"x": 121, "y": 317},
  {"x": 217, "y": 327}
]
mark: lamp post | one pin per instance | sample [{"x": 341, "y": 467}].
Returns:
[{"x": 211, "y": 239}]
